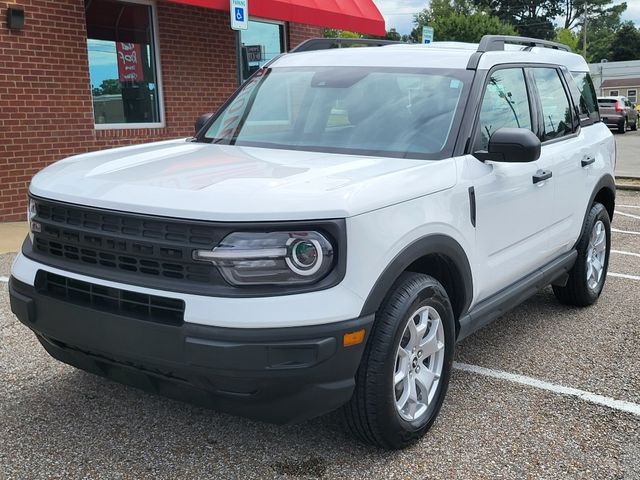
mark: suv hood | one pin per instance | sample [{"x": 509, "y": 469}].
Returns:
[{"x": 185, "y": 179}]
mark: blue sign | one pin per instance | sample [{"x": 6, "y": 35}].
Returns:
[
  {"x": 427, "y": 35},
  {"x": 239, "y": 10}
]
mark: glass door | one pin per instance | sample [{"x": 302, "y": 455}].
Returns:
[{"x": 261, "y": 42}]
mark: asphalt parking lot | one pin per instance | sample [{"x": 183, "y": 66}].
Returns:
[{"x": 58, "y": 422}]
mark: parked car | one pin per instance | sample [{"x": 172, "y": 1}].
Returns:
[
  {"x": 619, "y": 113},
  {"x": 327, "y": 237}
]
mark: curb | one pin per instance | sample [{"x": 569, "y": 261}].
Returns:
[
  {"x": 623, "y": 186},
  {"x": 628, "y": 183}
]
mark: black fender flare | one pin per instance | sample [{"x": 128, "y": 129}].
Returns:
[
  {"x": 428, "y": 245},
  {"x": 606, "y": 181}
]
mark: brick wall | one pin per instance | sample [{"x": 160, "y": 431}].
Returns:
[
  {"x": 45, "y": 100},
  {"x": 299, "y": 33}
]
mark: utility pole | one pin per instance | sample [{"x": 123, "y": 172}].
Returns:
[{"x": 584, "y": 32}]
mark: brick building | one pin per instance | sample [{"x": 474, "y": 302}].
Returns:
[{"x": 81, "y": 75}]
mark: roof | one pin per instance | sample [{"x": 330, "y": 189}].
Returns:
[
  {"x": 387, "y": 56},
  {"x": 360, "y": 16},
  {"x": 437, "y": 55},
  {"x": 621, "y": 82}
]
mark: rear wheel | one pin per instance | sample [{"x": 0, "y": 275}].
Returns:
[
  {"x": 404, "y": 373},
  {"x": 587, "y": 277},
  {"x": 622, "y": 126}
]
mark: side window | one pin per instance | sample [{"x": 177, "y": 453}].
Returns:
[
  {"x": 584, "y": 97},
  {"x": 505, "y": 104},
  {"x": 556, "y": 110},
  {"x": 632, "y": 96}
]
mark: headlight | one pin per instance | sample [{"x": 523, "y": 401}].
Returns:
[
  {"x": 271, "y": 258},
  {"x": 32, "y": 211}
]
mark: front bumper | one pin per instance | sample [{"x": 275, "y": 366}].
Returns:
[{"x": 280, "y": 375}]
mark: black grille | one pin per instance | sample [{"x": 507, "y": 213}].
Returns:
[
  {"x": 113, "y": 300},
  {"x": 126, "y": 247},
  {"x": 127, "y": 263}
]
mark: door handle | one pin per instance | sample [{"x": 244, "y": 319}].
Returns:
[
  {"x": 542, "y": 175},
  {"x": 588, "y": 160}
]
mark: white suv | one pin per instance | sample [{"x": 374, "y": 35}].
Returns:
[{"x": 327, "y": 237}]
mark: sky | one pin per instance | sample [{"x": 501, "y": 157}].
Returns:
[{"x": 399, "y": 13}]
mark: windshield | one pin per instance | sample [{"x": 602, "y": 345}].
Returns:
[{"x": 408, "y": 113}]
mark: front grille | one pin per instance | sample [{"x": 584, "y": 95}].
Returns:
[
  {"x": 112, "y": 300},
  {"x": 126, "y": 247},
  {"x": 125, "y": 263}
]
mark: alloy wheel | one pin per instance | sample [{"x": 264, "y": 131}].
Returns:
[
  {"x": 419, "y": 362},
  {"x": 596, "y": 255}
]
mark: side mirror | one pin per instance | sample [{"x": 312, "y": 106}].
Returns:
[
  {"x": 202, "y": 121},
  {"x": 514, "y": 145}
]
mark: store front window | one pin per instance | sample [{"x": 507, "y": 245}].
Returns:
[
  {"x": 122, "y": 63},
  {"x": 261, "y": 42}
]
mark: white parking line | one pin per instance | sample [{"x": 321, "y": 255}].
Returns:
[
  {"x": 637, "y": 217},
  {"x": 631, "y": 254},
  {"x": 620, "y": 405},
  {"x": 4, "y": 279},
  {"x": 625, "y": 231},
  {"x": 623, "y": 275},
  {"x": 629, "y": 206}
]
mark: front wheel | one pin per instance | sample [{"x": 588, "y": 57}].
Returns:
[
  {"x": 587, "y": 277},
  {"x": 404, "y": 374},
  {"x": 634, "y": 126}
]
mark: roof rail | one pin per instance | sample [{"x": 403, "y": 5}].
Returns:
[
  {"x": 492, "y": 43},
  {"x": 327, "y": 43},
  {"x": 496, "y": 43}
]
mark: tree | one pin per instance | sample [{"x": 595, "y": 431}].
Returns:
[
  {"x": 469, "y": 28},
  {"x": 568, "y": 38},
  {"x": 333, "y": 33},
  {"x": 458, "y": 20},
  {"x": 530, "y": 18},
  {"x": 393, "y": 35},
  {"x": 601, "y": 33},
  {"x": 626, "y": 43},
  {"x": 573, "y": 10},
  {"x": 110, "y": 86}
]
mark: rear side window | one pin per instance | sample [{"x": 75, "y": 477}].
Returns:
[
  {"x": 584, "y": 97},
  {"x": 505, "y": 104},
  {"x": 556, "y": 110}
]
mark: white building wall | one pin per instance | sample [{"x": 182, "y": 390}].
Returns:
[{"x": 613, "y": 71}]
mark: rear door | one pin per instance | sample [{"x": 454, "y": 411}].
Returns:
[{"x": 564, "y": 146}]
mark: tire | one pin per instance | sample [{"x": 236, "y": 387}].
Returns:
[
  {"x": 583, "y": 288},
  {"x": 373, "y": 414},
  {"x": 622, "y": 127},
  {"x": 634, "y": 126}
]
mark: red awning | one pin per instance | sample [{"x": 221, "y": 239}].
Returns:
[{"x": 360, "y": 16}]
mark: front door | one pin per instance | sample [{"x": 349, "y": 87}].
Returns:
[{"x": 513, "y": 210}]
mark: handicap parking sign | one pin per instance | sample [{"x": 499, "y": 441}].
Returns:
[
  {"x": 427, "y": 35},
  {"x": 239, "y": 10}
]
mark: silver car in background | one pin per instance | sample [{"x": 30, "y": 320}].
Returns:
[{"x": 618, "y": 112}]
